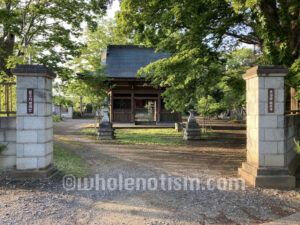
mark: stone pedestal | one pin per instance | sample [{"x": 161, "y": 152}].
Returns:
[
  {"x": 266, "y": 155},
  {"x": 178, "y": 127},
  {"x": 34, "y": 139},
  {"x": 192, "y": 130},
  {"x": 105, "y": 130}
]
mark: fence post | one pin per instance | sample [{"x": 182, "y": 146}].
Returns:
[
  {"x": 34, "y": 140},
  {"x": 266, "y": 153}
]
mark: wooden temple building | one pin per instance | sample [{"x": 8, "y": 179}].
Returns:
[{"x": 131, "y": 101}]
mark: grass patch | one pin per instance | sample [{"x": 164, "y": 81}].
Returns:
[
  {"x": 150, "y": 136},
  {"x": 68, "y": 162},
  {"x": 56, "y": 118},
  {"x": 89, "y": 131},
  {"x": 2, "y": 148},
  {"x": 146, "y": 136}
]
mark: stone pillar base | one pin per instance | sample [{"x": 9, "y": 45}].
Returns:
[
  {"x": 178, "y": 127},
  {"x": 40, "y": 174},
  {"x": 192, "y": 134},
  {"x": 267, "y": 177},
  {"x": 106, "y": 134},
  {"x": 106, "y": 131}
]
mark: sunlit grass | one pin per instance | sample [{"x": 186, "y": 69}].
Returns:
[
  {"x": 146, "y": 136},
  {"x": 68, "y": 162}
]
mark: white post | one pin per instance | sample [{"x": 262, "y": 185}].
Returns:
[
  {"x": 266, "y": 155},
  {"x": 34, "y": 140},
  {"x": 70, "y": 111}
]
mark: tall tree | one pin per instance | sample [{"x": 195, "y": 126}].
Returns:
[
  {"x": 196, "y": 32},
  {"x": 44, "y": 30},
  {"x": 88, "y": 81}
]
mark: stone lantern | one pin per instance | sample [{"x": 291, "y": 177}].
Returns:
[
  {"x": 192, "y": 130},
  {"x": 105, "y": 129}
]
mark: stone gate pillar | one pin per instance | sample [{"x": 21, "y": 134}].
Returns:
[
  {"x": 266, "y": 155},
  {"x": 34, "y": 139}
]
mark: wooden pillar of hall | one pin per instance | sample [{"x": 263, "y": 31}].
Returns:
[
  {"x": 294, "y": 101},
  {"x": 132, "y": 107},
  {"x": 158, "y": 107},
  {"x": 111, "y": 106}
]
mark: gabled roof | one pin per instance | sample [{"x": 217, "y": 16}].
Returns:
[{"x": 124, "y": 61}]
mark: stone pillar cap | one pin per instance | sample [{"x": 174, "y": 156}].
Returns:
[
  {"x": 33, "y": 70},
  {"x": 265, "y": 71}
]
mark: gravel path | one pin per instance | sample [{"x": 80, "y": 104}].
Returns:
[{"x": 42, "y": 202}]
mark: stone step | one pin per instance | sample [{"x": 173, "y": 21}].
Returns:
[
  {"x": 266, "y": 171},
  {"x": 41, "y": 174},
  {"x": 267, "y": 181}
]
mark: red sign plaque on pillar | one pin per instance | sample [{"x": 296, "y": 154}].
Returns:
[
  {"x": 30, "y": 101},
  {"x": 271, "y": 100}
]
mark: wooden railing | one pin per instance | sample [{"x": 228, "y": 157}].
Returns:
[
  {"x": 122, "y": 116},
  {"x": 166, "y": 116},
  {"x": 8, "y": 97}
]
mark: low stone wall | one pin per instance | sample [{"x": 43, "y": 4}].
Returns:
[
  {"x": 8, "y": 138},
  {"x": 292, "y": 132},
  {"x": 56, "y": 109},
  {"x": 68, "y": 114}
]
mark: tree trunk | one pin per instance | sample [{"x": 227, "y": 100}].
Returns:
[{"x": 81, "y": 113}]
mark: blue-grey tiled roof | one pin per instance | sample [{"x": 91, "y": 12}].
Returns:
[{"x": 124, "y": 61}]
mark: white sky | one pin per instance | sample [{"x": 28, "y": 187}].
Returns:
[{"x": 113, "y": 8}]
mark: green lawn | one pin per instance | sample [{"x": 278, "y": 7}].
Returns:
[
  {"x": 145, "y": 136},
  {"x": 68, "y": 162},
  {"x": 56, "y": 118}
]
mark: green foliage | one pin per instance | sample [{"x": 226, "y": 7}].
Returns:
[
  {"x": 188, "y": 74},
  {"x": 232, "y": 84},
  {"x": 61, "y": 100},
  {"x": 76, "y": 115},
  {"x": 88, "y": 87},
  {"x": 96, "y": 43},
  {"x": 297, "y": 146},
  {"x": 229, "y": 91},
  {"x": 273, "y": 23},
  {"x": 2, "y": 148},
  {"x": 208, "y": 107},
  {"x": 276, "y": 25},
  {"x": 197, "y": 33},
  {"x": 56, "y": 118},
  {"x": 68, "y": 162},
  {"x": 44, "y": 30}
]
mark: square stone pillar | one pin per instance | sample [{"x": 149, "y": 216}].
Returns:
[
  {"x": 34, "y": 140},
  {"x": 266, "y": 154}
]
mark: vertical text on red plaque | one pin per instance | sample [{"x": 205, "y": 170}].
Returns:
[
  {"x": 271, "y": 102},
  {"x": 30, "y": 101}
]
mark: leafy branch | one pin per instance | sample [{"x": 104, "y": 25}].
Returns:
[{"x": 297, "y": 146}]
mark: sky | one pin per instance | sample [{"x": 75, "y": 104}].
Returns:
[{"x": 113, "y": 8}]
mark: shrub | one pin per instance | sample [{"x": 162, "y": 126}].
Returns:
[
  {"x": 56, "y": 118},
  {"x": 2, "y": 148},
  {"x": 76, "y": 114},
  {"x": 297, "y": 146}
]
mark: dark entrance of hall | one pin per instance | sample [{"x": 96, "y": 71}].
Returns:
[{"x": 145, "y": 108}]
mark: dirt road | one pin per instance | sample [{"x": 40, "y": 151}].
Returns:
[{"x": 219, "y": 157}]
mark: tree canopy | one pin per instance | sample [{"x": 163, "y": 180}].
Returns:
[
  {"x": 45, "y": 30},
  {"x": 87, "y": 82},
  {"x": 198, "y": 33}
]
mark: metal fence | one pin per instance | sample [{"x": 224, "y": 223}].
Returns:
[{"x": 8, "y": 106}]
